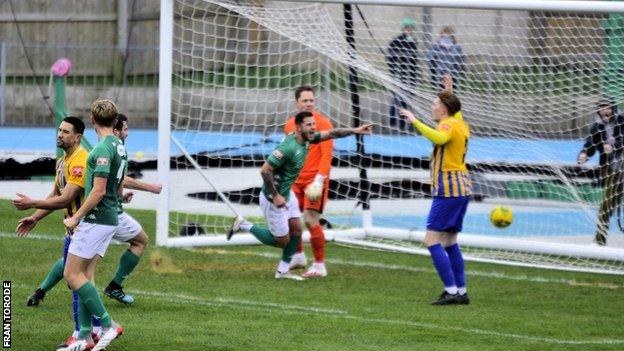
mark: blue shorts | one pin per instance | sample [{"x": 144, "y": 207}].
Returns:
[{"x": 447, "y": 214}]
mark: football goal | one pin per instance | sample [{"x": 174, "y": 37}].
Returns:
[{"x": 532, "y": 77}]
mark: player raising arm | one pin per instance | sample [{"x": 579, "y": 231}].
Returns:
[
  {"x": 450, "y": 187},
  {"x": 279, "y": 204},
  {"x": 312, "y": 185}
]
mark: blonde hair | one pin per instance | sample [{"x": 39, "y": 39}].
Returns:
[{"x": 104, "y": 112}]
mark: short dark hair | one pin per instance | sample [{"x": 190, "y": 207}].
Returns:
[
  {"x": 77, "y": 123},
  {"x": 605, "y": 102},
  {"x": 299, "y": 117},
  {"x": 451, "y": 101},
  {"x": 120, "y": 121},
  {"x": 104, "y": 112},
  {"x": 301, "y": 89}
]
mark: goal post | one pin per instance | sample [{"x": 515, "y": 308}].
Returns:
[{"x": 529, "y": 74}]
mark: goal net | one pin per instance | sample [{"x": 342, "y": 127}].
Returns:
[{"x": 530, "y": 83}]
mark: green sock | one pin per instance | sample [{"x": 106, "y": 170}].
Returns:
[
  {"x": 290, "y": 249},
  {"x": 263, "y": 234},
  {"x": 84, "y": 320},
  {"x": 127, "y": 263},
  {"x": 90, "y": 297},
  {"x": 54, "y": 276}
]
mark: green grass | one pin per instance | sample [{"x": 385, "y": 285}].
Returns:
[{"x": 227, "y": 299}]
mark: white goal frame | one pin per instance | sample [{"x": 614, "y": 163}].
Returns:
[{"x": 348, "y": 236}]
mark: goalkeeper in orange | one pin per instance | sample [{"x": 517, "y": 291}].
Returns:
[{"x": 312, "y": 185}]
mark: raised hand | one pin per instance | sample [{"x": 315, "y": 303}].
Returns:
[{"x": 447, "y": 81}]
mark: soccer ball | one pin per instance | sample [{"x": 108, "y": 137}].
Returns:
[{"x": 501, "y": 216}]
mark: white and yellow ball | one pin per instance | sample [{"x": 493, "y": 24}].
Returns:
[{"x": 501, "y": 216}]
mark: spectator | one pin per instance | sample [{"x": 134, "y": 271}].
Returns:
[
  {"x": 607, "y": 137},
  {"x": 402, "y": 59},
  {"x": 445, "y": 57}
]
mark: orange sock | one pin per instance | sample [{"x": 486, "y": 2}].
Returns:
[{"x": 317, "y": 239}]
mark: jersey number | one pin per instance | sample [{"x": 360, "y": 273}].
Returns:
[{"x": 122, "y": 165}]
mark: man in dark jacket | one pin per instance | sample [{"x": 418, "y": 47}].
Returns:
[
  {"x": 607, "y": 137},
  {"x": 402, "y": 59}
]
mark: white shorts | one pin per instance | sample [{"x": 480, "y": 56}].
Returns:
[
  {"x": 91, "y": 239},
  {"x": 127, "y": 228},
  {"x": 276, "y": 217}
]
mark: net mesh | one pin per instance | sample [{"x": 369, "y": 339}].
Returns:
[{"x": 529, "y": 83}]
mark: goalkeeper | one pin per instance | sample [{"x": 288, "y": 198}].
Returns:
[
  {"x": 277, "y": 200},
  {"x": 312, "y": 186}
]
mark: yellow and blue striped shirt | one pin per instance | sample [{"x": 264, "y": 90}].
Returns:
[
  {"x": 72, "y": 169},
  {"x": 449, "y": 175}
]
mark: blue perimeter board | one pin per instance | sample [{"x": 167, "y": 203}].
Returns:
[{"x": 231, "y": 144}]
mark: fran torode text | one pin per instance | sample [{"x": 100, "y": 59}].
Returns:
[{"x": 6, "y": 314}]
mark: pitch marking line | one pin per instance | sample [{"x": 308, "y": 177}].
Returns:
[
  {"x": 246, "y": 303},
  {"x": 336, "y": 313},
  {"x": 378, "y": 265}
]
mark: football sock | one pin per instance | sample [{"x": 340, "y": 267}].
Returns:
[
  {"x": 90, "y": 298},
  {"x": 54, "y": 276},
  {"x": 96, "y": 323},
  {"x": 289, "y": 250},
  {"x": 299, "y": 255},
  {"x": 317, "y": 239},
  {"x": 263, "y": 234},
  {"x": 245, "y": 226},
  {"x": 443, "y": 266},
  {"x": 84, "y": 318},
  {"x": 75, "y": 304},
  {"x": 457, "y": 264},
  {"x": 127, "y": 263}
]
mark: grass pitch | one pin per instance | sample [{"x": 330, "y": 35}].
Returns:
[{"x": 227, "y": 299}]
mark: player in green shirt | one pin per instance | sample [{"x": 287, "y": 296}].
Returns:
[
  {"x": 278, "y": 204},
  {"x": 128, "y": 229},
  {"x": 105, "y": 170}
]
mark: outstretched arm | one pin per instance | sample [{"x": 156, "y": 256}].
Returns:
[
  {"x": 54, "y": 201},
  {"x": 131, "y": 183},
  {"x": 344, "y": 132},
  {"x": 436, "y": 137},
  {"x": 95, "y": 196}
]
